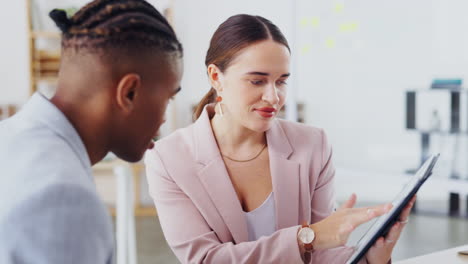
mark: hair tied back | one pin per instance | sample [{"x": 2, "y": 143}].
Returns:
[{"x": 61, "y": 19}]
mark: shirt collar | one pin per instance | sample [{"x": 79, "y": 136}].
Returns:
[{"x": 41, "y": 109}]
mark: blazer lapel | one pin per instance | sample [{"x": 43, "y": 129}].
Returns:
[
  {"x": 285, "y": 177},
  {"x": 217, "y": 183},
  {"x": 215, "y": 178}
]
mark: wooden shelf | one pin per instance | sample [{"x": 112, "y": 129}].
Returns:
[
  {"x": 47, "y": 79},
  {"x": 109, "y": 165},
  {"x": 47, "y": 66},
  {"x": 45, "y": 34},
  {"x": 48, "y": 55},
  {"x": 43, "y": 62},
  {"x": 139, "y": 211}
]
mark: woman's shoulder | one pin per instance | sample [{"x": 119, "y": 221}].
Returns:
[
  {"x": 301, "y": 132},
  {"x": 179, "y": 141},
  {"x": 306, "y": 140}
]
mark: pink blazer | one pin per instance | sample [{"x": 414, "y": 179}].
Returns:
[{"x": 198, "y": 208}]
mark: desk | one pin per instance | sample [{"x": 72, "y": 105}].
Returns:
[{"x": 445, "y": 256}]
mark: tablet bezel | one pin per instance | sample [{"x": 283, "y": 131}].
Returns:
[{"x": 391, "y": 217}]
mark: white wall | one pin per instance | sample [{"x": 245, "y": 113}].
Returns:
[
  {"x": 14, "y": 69},
  {"x": 355, "y": 91}
]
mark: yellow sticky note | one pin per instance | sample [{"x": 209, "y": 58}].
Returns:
[
  {"x": 349, "y": 27},
  {"x": 315, "y": 22},
  {"x": 304, "y": 22},
  {"x": 339, "y": 7},
  {"x": 353, "y": 26},
  {"x": 330, "y": 43},
  {"x": 344, "y": 27},
  {"x": 305, "y": 49}
]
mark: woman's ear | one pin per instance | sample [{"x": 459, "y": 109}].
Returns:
[
  {"x": 128, "y": 89},
  {"x": 215, "y": 75}
]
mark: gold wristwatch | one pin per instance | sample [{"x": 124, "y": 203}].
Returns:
[{"x": 306, "y": 236}]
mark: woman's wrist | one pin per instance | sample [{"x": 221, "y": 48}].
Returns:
[
  {"x": 305, "y": 240},
  {"x": 388, "y": 262},
  {"x": 316, "y": 242}
]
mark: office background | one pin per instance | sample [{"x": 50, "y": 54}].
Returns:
[{"x": 352, "y": 63}]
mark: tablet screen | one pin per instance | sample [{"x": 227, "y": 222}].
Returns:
[{"x": 384, "y": 222}]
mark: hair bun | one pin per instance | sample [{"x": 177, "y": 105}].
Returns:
[{"x": 61, "y": 20}]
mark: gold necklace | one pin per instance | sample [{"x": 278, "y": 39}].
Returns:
[{"x": 256, "y": 156}]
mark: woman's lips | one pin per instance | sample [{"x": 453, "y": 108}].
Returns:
[{"x": 266, "y": 112}]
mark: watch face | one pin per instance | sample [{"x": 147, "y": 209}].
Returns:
[{"x": 306, "y": 235}]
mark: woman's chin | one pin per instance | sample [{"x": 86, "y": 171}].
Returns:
[{"x": 261, "y": 126}]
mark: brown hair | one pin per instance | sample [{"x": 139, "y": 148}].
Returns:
[{"x": 234, "y": 34}]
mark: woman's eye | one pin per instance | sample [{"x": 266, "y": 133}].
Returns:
[
  {"x": 283, "y": 82},
  {"x": 256, "y": 82}
]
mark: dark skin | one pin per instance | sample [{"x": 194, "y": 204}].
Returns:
[{"x": 117, "y": 106}]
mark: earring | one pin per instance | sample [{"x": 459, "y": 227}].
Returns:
[{"x": 218, "y": 101}]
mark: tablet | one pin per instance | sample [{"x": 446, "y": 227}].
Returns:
[{"x": 383, "y": 223}]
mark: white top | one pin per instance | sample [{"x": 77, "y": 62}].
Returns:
[{"x": 262, "y": 220}]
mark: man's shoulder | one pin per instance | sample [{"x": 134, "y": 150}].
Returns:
[
  {"x": 32, "y": 161},
  {"x": 61, "y": 215},
  {"x": 37, "y": 178},
  {"x": 46, "y": 158},
  {"x": 55, "y": 194},
  {"x": 34, "y": 146}
]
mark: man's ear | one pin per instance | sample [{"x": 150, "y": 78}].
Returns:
[
  {"x": 128, "y": 89},
  {"x": 214, "y": 75}
]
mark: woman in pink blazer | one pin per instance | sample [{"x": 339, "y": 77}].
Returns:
[{"x": 240, "y": 185}]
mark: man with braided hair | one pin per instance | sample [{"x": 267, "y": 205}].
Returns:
[{"x": 121, "y": 63}]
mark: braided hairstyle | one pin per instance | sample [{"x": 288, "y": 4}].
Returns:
[{"x": 129, "y": 26}]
